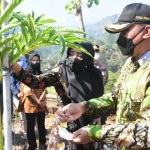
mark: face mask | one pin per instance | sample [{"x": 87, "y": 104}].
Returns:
[
  {"x": 36, "y": 65},
  {"x": 126, "y": 45},
  {"x": 75, "y": 64},
  {"x": 96, "y": 56},
  {"x": 20, "y": 63}
]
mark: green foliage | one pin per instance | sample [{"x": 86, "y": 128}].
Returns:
[
  {"x": 111, "y": 80},
  {"x": 73, "y": 5},
  {"x": 33, "y": 33},
  {"x": 4, "y": 15},
  {"x": 90, "y": 3},
  {"x": 7, "y": 12},
  {"x": 112, "y": 58}
]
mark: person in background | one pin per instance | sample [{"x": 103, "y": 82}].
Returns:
[
  {"x": 131, "y": 96},
  {"x": 81, "y": 80},
  {"x": 15, "y": 88},
  {"x": 98, "y": 64},
  {"x": 33, "y": 102}
]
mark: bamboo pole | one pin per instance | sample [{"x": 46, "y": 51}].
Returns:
[{"x": 6, "y": 96}]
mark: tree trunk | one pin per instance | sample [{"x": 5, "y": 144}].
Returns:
[{"x": 80, "y": 18}]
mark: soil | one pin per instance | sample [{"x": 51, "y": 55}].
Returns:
[{"x": 19, "y": 142}]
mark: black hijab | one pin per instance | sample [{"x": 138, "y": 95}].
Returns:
[
  {"x": 31, "y": 68},
  {"x": 85, "y": 84}
]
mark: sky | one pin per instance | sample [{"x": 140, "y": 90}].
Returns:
[{"x": 56, "y": 9}]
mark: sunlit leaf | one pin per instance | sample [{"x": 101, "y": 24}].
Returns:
[
  {"x": 10, "y": 7},
  {"x": 96, "y": 2}
]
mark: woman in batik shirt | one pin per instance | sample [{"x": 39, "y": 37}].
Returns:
[{"x": 76, "y": 80}]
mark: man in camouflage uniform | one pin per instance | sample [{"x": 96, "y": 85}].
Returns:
[
  {"x": 100, "y": 65},
  {"x": 132, "y": 89}
]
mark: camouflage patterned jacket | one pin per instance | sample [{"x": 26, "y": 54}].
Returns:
[{"x": 132, "y": 99}]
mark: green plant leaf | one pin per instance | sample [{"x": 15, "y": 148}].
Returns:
[
  {"x": 67, "y": 30},
  {"x": 25, "y": 34},
  {"x": 5, "y": 41},
  {"x": 62, "y": 43},
  {"x": 78, "y": 47},
  {"x": 18, "y": 46},
  {"x": 39, "y": 18},
  {"x": 4, "y": 51},
  {"x": 8, "y": 27},
  {"x": 46, "y": 21},
  {"x": 20, "y": 19},
  {"x": 10, "y": 7},
  {"x": 33, "y": 15},
  {"x": 96, "y": 2},
  {"x": 32, "y": 28}
]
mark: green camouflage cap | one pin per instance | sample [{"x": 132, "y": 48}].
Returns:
[{"x": 135, "y": 13}]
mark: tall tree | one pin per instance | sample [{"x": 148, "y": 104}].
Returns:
[{"x": 75, "y": 7}]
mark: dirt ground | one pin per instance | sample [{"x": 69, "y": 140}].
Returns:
[{"x": 18, "y": 140}]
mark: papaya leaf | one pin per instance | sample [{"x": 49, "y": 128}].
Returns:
[
  {"x": 6, "y": 40},
  {"x": 78, "y": 47},
  {"x": 6, "y": 28},
  {"x": 20, "y": 19},
  {"x": 46, "y": 21},
  {"x": 32, "y": 28},
  {"x": 62, "y": 43},
  {"x": 10, "y": 7},
  {"x": 39, "y": 18},
  {"x": 25, "y": 34}
]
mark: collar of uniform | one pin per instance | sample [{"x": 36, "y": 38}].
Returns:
[{"x": 143, "y": 59}]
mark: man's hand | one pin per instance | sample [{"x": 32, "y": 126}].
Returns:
[
  {"x": 81, "y": 136},
  {"x": 71, "y": 112}
]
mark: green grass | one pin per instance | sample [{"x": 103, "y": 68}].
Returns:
[{"x": 51, "y": 90}]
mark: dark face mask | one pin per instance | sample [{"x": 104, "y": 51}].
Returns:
[
  {"x": 36, "y": 65},
  {"x": 126, "y": 45},
  {"x": 75, "y": 64}
]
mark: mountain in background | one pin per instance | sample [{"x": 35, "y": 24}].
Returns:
[
  {"x": 96, "y": 30},
  {"x": 96, "y": 34}
]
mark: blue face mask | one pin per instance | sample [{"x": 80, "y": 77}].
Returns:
[{"x": 126, "y": 45}]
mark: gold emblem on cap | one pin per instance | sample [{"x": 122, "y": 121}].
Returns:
[{"x": 142, "y": 17}]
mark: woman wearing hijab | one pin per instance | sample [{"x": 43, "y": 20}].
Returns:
[
  {"x": 81, "y": 81},
  {"x": 77, "y": 80},
  {"x": 33, "y": 102}
]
